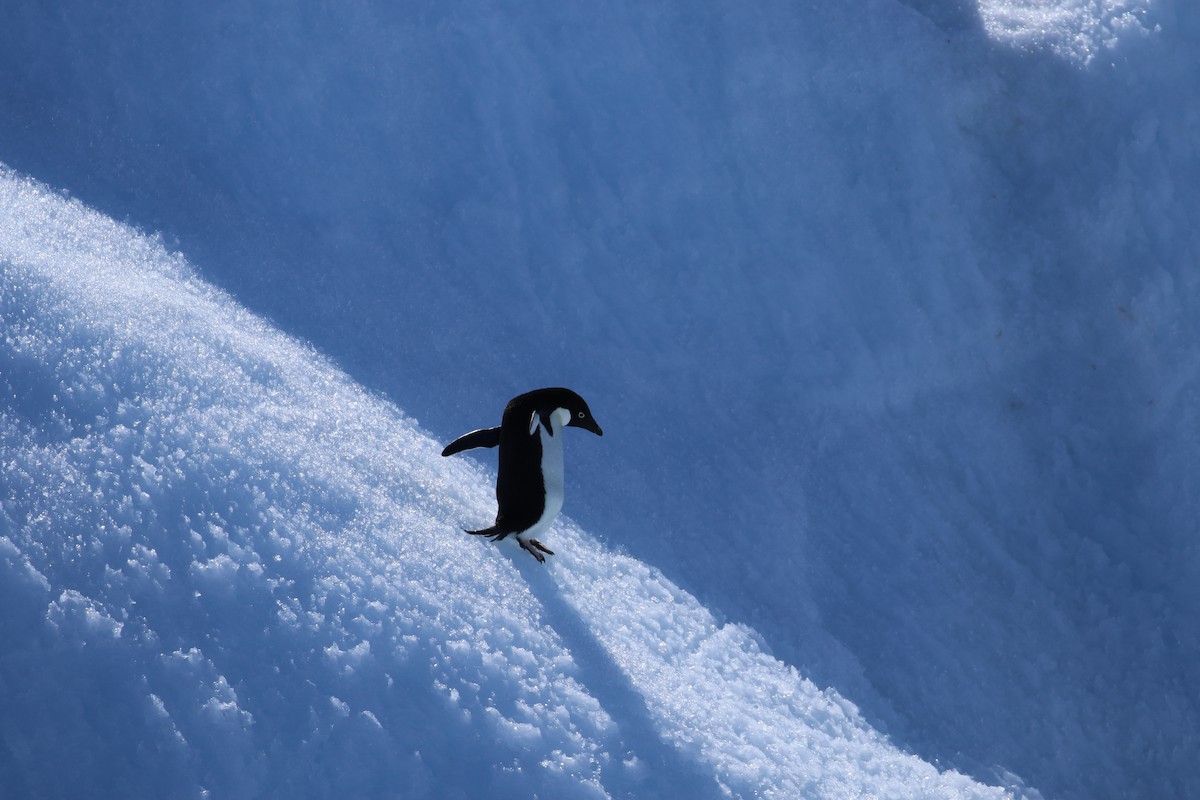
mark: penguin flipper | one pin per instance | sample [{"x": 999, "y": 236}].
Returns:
[{"x": 484, "y": 437}]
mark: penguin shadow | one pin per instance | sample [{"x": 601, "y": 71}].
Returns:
[{"x": 664, "y": 770}]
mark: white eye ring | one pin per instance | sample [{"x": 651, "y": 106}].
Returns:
[{"x": 581, "y": 415}]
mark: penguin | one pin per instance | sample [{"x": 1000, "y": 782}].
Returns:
[{"x": 529, "y": 483}]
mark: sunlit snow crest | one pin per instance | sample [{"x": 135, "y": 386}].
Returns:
[
  {"x": 217, "y": 549},
  {"x": 1075, "y": 29}
]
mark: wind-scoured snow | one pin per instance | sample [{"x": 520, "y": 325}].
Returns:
[{"x": 227, "y": 571}]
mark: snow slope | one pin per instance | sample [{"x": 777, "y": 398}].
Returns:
[
  {"x": 889, "y": 309},
  {"x": 227, "y": 571}
]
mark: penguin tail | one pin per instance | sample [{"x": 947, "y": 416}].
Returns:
[{"x": 495, "y": 533}]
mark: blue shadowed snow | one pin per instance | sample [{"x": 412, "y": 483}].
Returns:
[{"x": 887, "y": 309}]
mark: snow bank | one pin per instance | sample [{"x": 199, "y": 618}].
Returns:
[
  {"x": 227, "y": 571},
  {"x": 889, "y": 309}
]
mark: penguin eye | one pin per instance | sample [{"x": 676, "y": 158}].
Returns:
[{"x": 582, "y": 415}]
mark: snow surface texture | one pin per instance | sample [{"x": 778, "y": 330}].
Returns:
[
  {"x": 228, "y": 571},
  {"x": 889, "y": 310},
  {"x": 1076, "y": 29}
]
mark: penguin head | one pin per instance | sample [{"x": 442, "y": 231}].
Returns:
[
  {"x": 547, "y": 401},
  {"x": 581, "y": 417}
]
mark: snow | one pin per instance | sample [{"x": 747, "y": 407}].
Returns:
[
  {"x": 887, "y": 310},
  {"x": 209, "y": 527},
  {"x": 1077, "y": 30}
]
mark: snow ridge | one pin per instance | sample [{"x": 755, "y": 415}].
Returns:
[
  {"x": 1078, "y": 30},
  {"x": 226, "y": 570}
]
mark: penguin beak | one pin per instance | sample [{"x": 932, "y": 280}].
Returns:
[{"x": 589, "y": 424}]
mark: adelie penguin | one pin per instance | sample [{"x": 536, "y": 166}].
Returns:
[{"x": 529, "y": 484}]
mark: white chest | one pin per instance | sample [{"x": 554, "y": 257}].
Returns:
[{"x": 552, "y": 468}]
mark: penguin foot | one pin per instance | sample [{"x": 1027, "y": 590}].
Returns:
[{"x": 533, "y": 546}]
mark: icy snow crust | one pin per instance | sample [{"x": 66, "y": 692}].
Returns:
[
  {"x": 888, "y": 310},
  {"x": 227, "y": 571}
]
